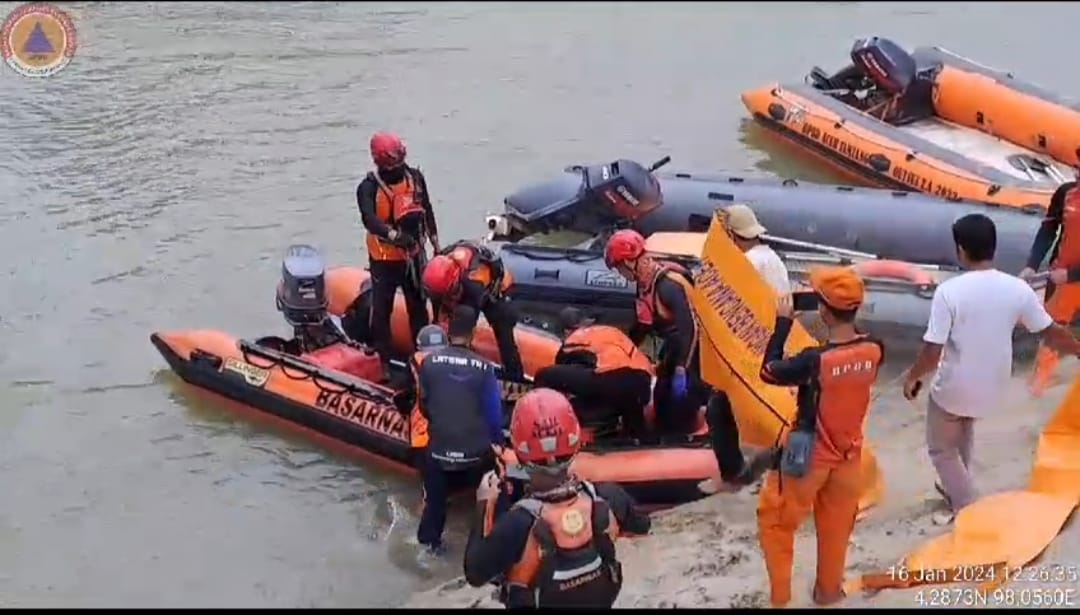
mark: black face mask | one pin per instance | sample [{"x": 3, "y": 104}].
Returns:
[{"x": 392, "y": 176}]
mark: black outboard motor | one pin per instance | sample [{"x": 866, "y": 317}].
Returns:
[
  {"x": 896, "y": 73},
  {"x": 891, "y": 68},
  {"x": 606, "y": 195},
  {"x": 301, "y": 294}
]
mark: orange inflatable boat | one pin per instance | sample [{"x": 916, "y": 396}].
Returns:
[
  {"x": 929, "y": 121},
  {"x": 314, "y": 392}
]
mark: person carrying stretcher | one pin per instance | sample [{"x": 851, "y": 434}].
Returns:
[
  {"x": 469, "y": 274},
  {"x": 603, "y": 370},
  {"x": 554, "y": 547}
]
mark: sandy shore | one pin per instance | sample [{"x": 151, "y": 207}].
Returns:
[{"x": 705, "y": 554}]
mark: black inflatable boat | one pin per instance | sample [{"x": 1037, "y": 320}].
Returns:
[
  {"x": 897, "y": 225},
  {"x": 546, "y": 279}
]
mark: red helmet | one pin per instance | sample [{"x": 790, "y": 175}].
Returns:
[
  {"x": 441, "y": 275},
  {"x": 624, "y": 245},
  {"x": 387, "y": 150},
  {"x": 544, "y": 429}
]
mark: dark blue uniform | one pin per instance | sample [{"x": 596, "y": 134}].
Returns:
[{"x": 458, "y": 396}]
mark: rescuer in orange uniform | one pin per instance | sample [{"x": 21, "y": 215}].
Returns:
[
  {"x": 663, "y": 307},
  {"x": 469, "y": 274},
  {"x": 603, "y": 370},
  {"x": 555, "y": 546},
  {"x": 1063, "y": 291},
  {"x": 395, "y": 208},
  {"x": 820, "y": 461}
]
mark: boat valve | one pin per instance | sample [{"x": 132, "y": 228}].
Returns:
[{"x": 498, "y": 226}]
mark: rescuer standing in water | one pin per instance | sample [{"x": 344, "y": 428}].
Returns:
[
  {"x": 469, "y": 274},
  {"x": 555, "y": 547},
  {"x": 395, "y": 208},
  {"x": 603, "y": 369},
  {"x": 456, "y": 418},
  {"x": 1062, "y": 294},
  {"x": 820, "y": 465}
]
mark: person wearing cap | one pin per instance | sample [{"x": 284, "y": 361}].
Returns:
[
  {"x": 603, "y": 370},
  {"x": 735, "y": 472},
  {"x": 456, "y": 417},
  {"x": 969, "y": 344},
  {"x": 746, "y": 232},
  {"x": 819, "y": 463}
]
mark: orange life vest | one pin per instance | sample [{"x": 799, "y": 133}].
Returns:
[
  {"x": 1068, "y": 251},
  {"x": 845, "y": 379},
  {"x": 418, "y": 425},
  {"x": 569, "y": 557},
  {"x": 392, "y": 205},
  {"x": 480, "y": 265},
  {"x": 650, "y": 311},
  {"x": 613, "y": 349}
]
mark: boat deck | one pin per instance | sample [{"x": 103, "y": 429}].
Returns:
[{"x": 988, "y": 150}]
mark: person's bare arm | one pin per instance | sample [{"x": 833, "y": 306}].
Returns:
[
  {"x": 937, "y": 333},
  {"x": 1034, "y": 317},
  {"x": 1061, "y": 339},
  {"x": 926, "y": 362}
]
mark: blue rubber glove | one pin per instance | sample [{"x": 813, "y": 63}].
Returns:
[{"x": 678, "y": 383}]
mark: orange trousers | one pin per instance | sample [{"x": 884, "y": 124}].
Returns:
[
  {"x": 832, "y": 493},
  {"x": 1062, "y": 306}
]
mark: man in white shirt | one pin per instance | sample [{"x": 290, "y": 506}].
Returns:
[
  {"x": 969, "y": 341},
  {"x": 746, "y": 231}
]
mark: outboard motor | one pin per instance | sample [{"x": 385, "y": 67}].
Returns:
[
  {"x": 891, "y": 68},
  {"x": 301, "y": 294},
  {"x": 896, "y": 74},
  {"x": 589, "y": 197}
]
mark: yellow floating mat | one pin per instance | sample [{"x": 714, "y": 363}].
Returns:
[
  {"x": 995, "y": 537},
  {"x": 737, "y": 311}
]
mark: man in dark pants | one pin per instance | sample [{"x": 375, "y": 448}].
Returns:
[
  {"x": 467, "y": 273},
  {"x": 663, "y": 308},
  {"x": 395, "y": 208},
  {"x": 456, "y": 419},
  {"x": 606, "y": 373},
  {"x": 663, "y": 305}
]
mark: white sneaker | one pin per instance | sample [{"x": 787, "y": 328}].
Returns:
[
  {"x": 712, "y": 486},
  {"x": 943, "y": 517}
]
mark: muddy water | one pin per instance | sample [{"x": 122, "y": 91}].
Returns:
[{"x": 155, "y": 182}]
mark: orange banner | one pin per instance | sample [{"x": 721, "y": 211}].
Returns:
[
  {"x": 994, "y": 538},
  {"x": 737, "y": 310}
]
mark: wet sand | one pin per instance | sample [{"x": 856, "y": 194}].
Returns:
[{"x": 706, "y": 554}]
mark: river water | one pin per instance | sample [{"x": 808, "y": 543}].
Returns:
[{"x": 155, "y": 182}]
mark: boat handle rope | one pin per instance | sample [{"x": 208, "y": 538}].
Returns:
[
  {"x": 840, "y": 123},
  {"x": 570, "y": 254},
  {"x": 316, "y": 378}
]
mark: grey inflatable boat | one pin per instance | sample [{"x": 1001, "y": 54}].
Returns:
[
  {"x": 546, "y": 279},
  {"x": 898, "y": 225}
]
